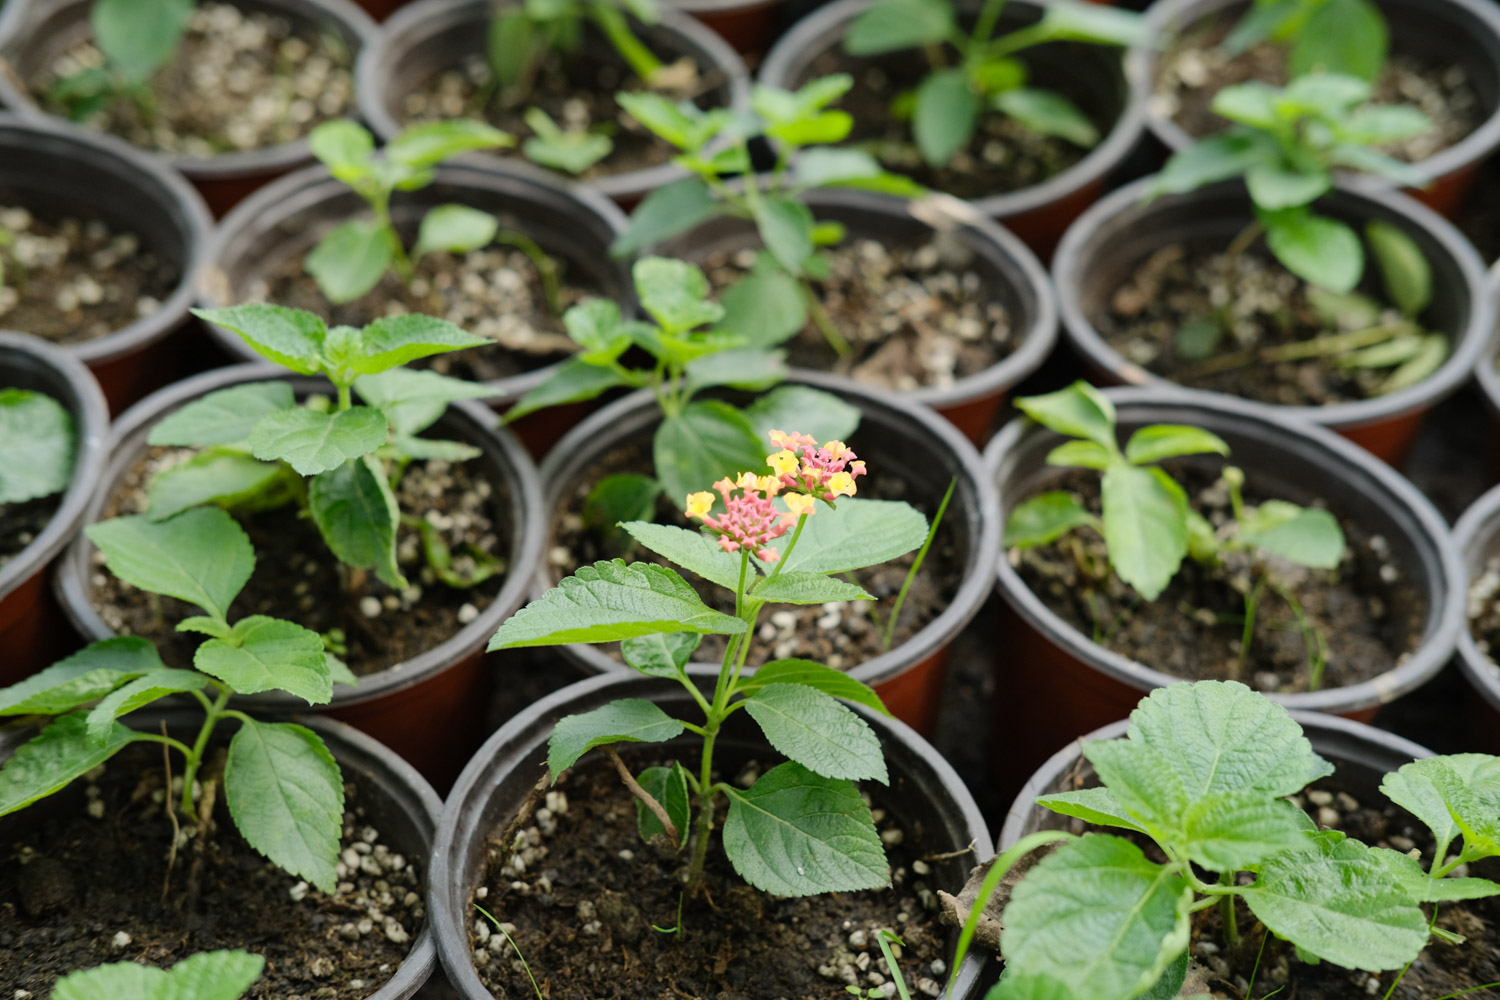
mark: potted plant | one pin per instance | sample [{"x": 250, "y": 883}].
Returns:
[
  {"x": 1055, "y": 66},
  {"x": 1087, "y": 649},
  {"x": 155, "y": 76},
  {"x": 98, "y": 248},
  {"x": 55, "y": 424}
]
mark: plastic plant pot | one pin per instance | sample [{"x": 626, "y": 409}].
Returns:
[{"x": 1477, "y": 538}]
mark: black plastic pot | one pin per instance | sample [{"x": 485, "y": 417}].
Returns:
[
  {"x": 53, "y": 169},
  {"x": 35, "y": 32},
  {"x": 1051, "y": 671},
  {"x": 1010, "y": 272},
  {"x": 1109, "y": 241},
  {"x": 1477, "y": 538},
  {"x": 1442, "y": 32},
  {"x": 431, "y": 36},
  {"x": 397, "y": 801},
  {"x": 1092, "y": 75},
  {"x": 897, "y": 440},
  {"x": 498, "y": 779},
  {"x": 33, "y": 632},
  {"x": 430, "y": 708}
]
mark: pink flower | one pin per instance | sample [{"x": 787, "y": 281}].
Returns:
[
  {"x": 826, "y": 473},
  {"x": 749, "y": 521}
]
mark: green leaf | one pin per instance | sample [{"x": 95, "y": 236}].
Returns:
[
  {"x": 1045, "y": 518},
  {"x": 675, "y": 293},
  {"x": 117, "y": 981},
  {"x": 312, "y": 442},
  {"x": 1096, "y": 806},
  {"x": 746, "y": 368},
  {"x": 200, "y": 556},
  {"x": 510, "y": 35},
  {"x": 1414, "y": 788},
  {"x": 572, "y": 381},
  {"x": 88, "y": 674},
  {"x": 693, "y": 551},
  {"x": 224, "y": 417},
  {"x": 1379, "y": 124},
  {"x": 1212, "y": 159},
  {"x": 669, "y": 787},
  {"x": 892, "y": 25},
  {"x": 707, "y": 441},
  {"x": 1314, "y": 248},
  {"x": 430, "y": 143},
  {"x": 1468, "y": 787},
  {"x": 37, "y": 446},
  {"x": 609, "y": 601},
  {"x": 678, "y": 122},
  {"x": 1160, "y": 441},
  {"x": 629, "y": 720},
  {"x": 810, "y": 411},
  {"x": 1048, "y": 113},
  {"x": 596, "y": 326},
  {"x": 269, "y": 654},
  {"x": 356, "y": 512},
  {"x": 1308, "y": 536},
  {"x": 767, "y": 306},
  {"x": 1080, "y": 410},
  {"x": 220, "y": 476},
  {"x": 456, "y": 229},
  {"x": 815, "y": 730},
  {"x": 1405, "y": 872},
  {"x": 1273, "y": 186},
  {"x": 344, "y": 146},
  {"x": 573, "y": 151},
  {"x": 1434, "y": 351},
  {"x": 1078, "y": 22},
  {"x": 1083, "y": 454},
  {"x": 1265, "y": 19},
  {"x": 139, "y": 36},
  {"x": 665, "y": 654},
  {"x": 814, "y": 675},
  {"x": 1252, "y": 103},
  {"x": 286, "y": 794},
  {"x": 1121, "y": 919},
  {"x": 290, "y": 337},
  {"x": 1340, "y": 36},
  {"x": 1403, "y": 268},
  {"x": 807, "y": 588},
  {"x": 664, "y": 213},
  {"x": 141, "y": 691},
  {"x": 786, "y": 226},
  {"x": 1325, "y": 95},
  {"x": 824, "y": 167},
  {"x": 796, "y": 833},
  {"x": 856, "y": 534},
  {"x": 946, "y": 115},
  {"x": 1145, "y": 526},
  {"x": 413, "y": 400},
  {"x": 395, "y": 340},
  {"x": 618, "y": 498},
  {"x": 54, "y": 757},
  {"x": 1231, "y": 831},
  {"x": 350, "y": 260}
]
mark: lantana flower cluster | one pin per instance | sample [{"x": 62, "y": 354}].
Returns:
[{"x": 825, "y": 473}]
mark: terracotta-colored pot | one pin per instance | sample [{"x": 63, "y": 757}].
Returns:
[{"x": 747, "y": 25}]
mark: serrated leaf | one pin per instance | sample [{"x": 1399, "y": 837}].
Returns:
[
  {"x": 610, "y": 601},
  {"x": 223, "y": 417},
  {"x": 820, "y": 414},
  {"x": 116, "y": 981},
  {"x": 286, "y": 794},
  {"x": 1146, "y": 788},
  {"x": 1045, "y": 518},
  {"x": 1309, "y": 536},
  {"x": 141, "y": 691},
  {"x": 396, "y": 340},
  {"x": 292, "y": 338},
  {"x": 1092, "y": 805},
  {"x": 664, "y": 654},
  {"x": 815, "y": 675},
  {"x": 54, "y": 757},
  {"x": 572, "y": 381},
  {"x": 1230, "y": 831},
  {"x": 706, "y": 442},
  {"x": 88, "y": 674},
  {"x": 1470, "y": 787},
  {"x": 455, "y": 229},
  {"x": 269, "y": 654},
  {"x": 1145, "y": 526},
  {"x": 669, "y": 787},
  {"x": 807, "y": 588},
  {"x": 693, "y": 551},
  {"x": 1080, "y": 410},
  {"x": 1414, "y": 788},
  {"x": 946, "y": 114},
  {"x": 224, "y": 477},
  {"x": 858, "y": 533},
  {"x": 1162, "y": 441},
  {"x": 1403, "y": 267},
  {"x": 796, "y": 833},
  {"x": 139, "y": 36},
  {"x": 675, "y": 293},
  {"x": 815, "y": 730},
  {"x": 200, "y": 556},
  {"x": 891, "y": 25},
  {"x": 664, "y": 213},
  {"x": 413, "y": 400},
  {"x": 213, "y": 975},
  {"x": 1404, "y": 871},
  {"x": 629, "y": 720},
  {"x": 38, "y": 444},
  {"x": 356, "y": 513},
  {"x": 312, "y": 442},
  {"x": 351, "y": 259}
]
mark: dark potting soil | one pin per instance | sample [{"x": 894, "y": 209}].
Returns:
[
  {"x": 1003, "y": 156},
  {"x": 20, "y": 523},
  {"x": 1484, "y": 609},
  {"x": 69, "y": 280},
  {"x": 915, "y": 314},
  {"x": 1182, "y": 282},
  {"x": 1194, "y": 70},
  {"x": 298, "y": 579},
  {"x": 840, "y": 634},
  {"x": 581, "y": 892},
  {"x": 239, "y": 80},
  {"x": 82, "y": 877},
  {"x": 1369, "y": 616}
]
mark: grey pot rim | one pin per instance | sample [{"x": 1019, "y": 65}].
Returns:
[
  {"x": 371, "y": 68},
  {"x": 974, "y": 586},
  {"x": 1163, "y": 14},
  {"x": 1438, "y": 641},
  {"x": 69, "y": 583},
  {"x": 1475, "y": 528},
  {"x": 266, "y": 201},
  {"x": 1470, "y": 342},
  {"x": 1060, "y": 762},
  {"x": 1111, "y": 151},
  {"x": 91, "y": 425},
  {"x": 474, "y": 783},
  {"x": 222, "y": 166},
  {"x": 1487, "y": 365},
  {"x": 100, "y": 148}
]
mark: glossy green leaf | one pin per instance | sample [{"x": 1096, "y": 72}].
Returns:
[
  {"x": 1403, "y": 267},
  {"x": 669, "y": 786},
  {"x": 1048, "y": 113},
  {"x": 1045, "y": 518},
  {"x": 1314, "y": 248},
  {"x": 356, "y": 512},
  {"x": 817, "y": 731},
  {"x": 396, "y": 340},
  {"x": 430, "y": 143},
  {"x": 946, "y": 114},
  {"x": 665, "y": 654},
  {"x": 1080, "y": 410},
  {"x": 1145, "y": 526},
  {"x": 311, "y": 441},
  {"x": 139, "y": 36},
  {"x": 141, "y": 691},
  {"x": 573, "y": 151},
  {"x": 269, "y": 654},
  {"x": 286, "y": 794},
  {"x": 858, "y": 533},
  {"x": 1082, "y": 454},
  {"x": 629, "y": 720},
  {"x": 38, "y": 444},
  {"x": 707, "y": 441},
  {"x": 693, "y": 551},
  {"x": 572, "y": 381},
  {"x": 351, "y": 259},
  {"x": 200, "y": 556},
  {"x": 413, "y": 400},
  {"x": 1162, "y": 441},
  {"x": 814, "y": 675},
  {"x": 664, "y": 213},
  {"x": 224, "y": 477},
  {"x": 85, "y": 676},
  {"x": 1096, "y": 806},
  {"x": 224, "y": 417},
  {"x": 807, "y": 588},
  {"x": 675, "y": 293},
  {"x": 1308, "y": 536},
  {"x": 292, "y": 338},
  {"x": 50, "y": 760},
  {"x": 801, "y": 408},
  {"x": 455, "y": 229},
  {"x": 892, "y": 25}
]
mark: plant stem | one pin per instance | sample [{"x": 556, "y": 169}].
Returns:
[
  {"x": 823, "y": 321},
  {"x": 545, "y": 266},
  {"x": 984, "y": 26},
  {"x": 195, "y": 755},
  {"x": 611, "y": 21},
  {"x": 706, "y": 799},
  {"x": 1247, "y": 633},
  {"x": 1332, "y": 343},
  {"x": 937, "y": 520},
  {"x": 1226, "y": 912}
]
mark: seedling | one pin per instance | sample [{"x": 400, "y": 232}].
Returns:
[
  {"x": 38, "y": 444},
  {"x": 136, "y": 38},
  {"x": 802, "y": 828},
  {"x": 573, "y": 151},
  {"x": 771, "y": 304},
  {"x": 1146, "y": 523},
  {"x": 284, "y": 790},
  {"x": 1203, "y": 772},
  {"x": 885, "y": 938},
  {"x": 209, "y": 975},
  {"x": 1349, "y": 37},
  {"x": 946, "y": 106}
]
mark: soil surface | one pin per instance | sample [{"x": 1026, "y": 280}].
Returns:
[
  {"x": 238, "y": 81},
  {"x": 20, "y": 523},
  {"x": 82, "y": 876},
  {"x": 1369, "y": 616},
  {"x": 581, "y": 893},
  {"x": 70, "y": 280},
  {"x": 298, "y": 579},
  {"x": 1484, "y": 609},
  {"x": 915, "y": 314}
]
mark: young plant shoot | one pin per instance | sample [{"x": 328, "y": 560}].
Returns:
[
  {"x": 284, "y": 790},
  {"x": 945, "y": 108},
  {"x": 208, "y": 975},
  {"x": 572, "y": 151},
  {"x": 802, "y": 828},
  {"x": 1348, "y": 37},
  {"x": 38, "y": 444},
  {"x": 1146, "y": 523},
  {"x": 136, "y": 38},
  {"x": 1204, "y": 772}
]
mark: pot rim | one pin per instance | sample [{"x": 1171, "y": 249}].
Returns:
[
  {"x": 638, "y": 410},
  {"x": 1163, "y": 17},
  {"x": 422, "y": 19},
  {"x": 1475, "y": 529},
  {"x": 91, "y": 426},
  {"x": 344, "y": 14},
  {"x": 1487, "y": 365},
  {"x": 1469, "y": 342},
  {"x": 1111, "y": 151},
  {"x": 69, "y": 583},
  {"x": 477, "y": 781},
  {"x": 1445, "y": 615}
]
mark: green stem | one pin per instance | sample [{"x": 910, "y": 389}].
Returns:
[
  {"x": 195, "y": 755},
  {"x": 1226, "y": 912},
  {"x": 545, "y": 266},
  {"x": 399, "y": 259},
  {"x": 1022, "y": 38},
  {"x": 706, "y": 802},
  {"x": 345, "y": 400},
  {"x": 823, "y": 321},
  {"x": 984, "y": 27},
  {"x": 1328, "y": 344},
  {"x": 616, "y": 28},
  {"x": 1247, "y": 634},
  {"x": 911, "y": 574}
]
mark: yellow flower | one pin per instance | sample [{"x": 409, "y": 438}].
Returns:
[
  {"x": 699, "y": 504},
  {"x": 799, "y": 503},
  {"x": 784, "y": 462},
  {"x": 841, "y": 484},
  {"x": 836, "y": 450},
  {"x": 769, "y": 485}
]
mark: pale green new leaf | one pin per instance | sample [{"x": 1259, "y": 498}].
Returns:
[
  {"x": 1309, "y": 536},
  {"x": 706, "y": 442},
  {"x": 430, "y": 143},
  {"x": 664, "y": 654},
  {"x": 292, "y": 338},
  {"x": 344, "y": 146},
  {"x": 116, "y": 981},
  {"x": 675, "y": 293},
  {"x": 693, "y": 551},
  {"x": 221, "y": 476},
  {"x": 88, "y": 674},
  {"x": 1145, "y": 526},
  {"x": 395, "y": 340},
  {"x": 1080, "y": 410},
  {"x": 351, "y": 259},
  {"x": 1470, "y": 786},
  {"x": 456, "y": 229},
  {"x": 807, "y": 588},
  {"x": 629, "y": 720},
  {"x": 1080, "y": 454},
  {"x": 200, "y": 556},
  {"x": 786, "y": 226},
  {"x": 139, "y": 36},
  {"x": 1045, "y": 518},
  {"x": 802, "y": 409},
  {"x": 858, "y": 533},
  {"x": 312, "y": 442},
  {"x": 141, "y": 691},
  {"x": 54, "y": 757},
  {"x": 1403, "y": 267},
  {"x": 1316, "y": 249},
  {"x": 212, "y": 975},
  {"x": 269, "y": 654},
  {"x": 1406, "y": 872},
  {"x": 1275, "y": 186},
  {"x": 669, "y": 786},
  {"x": 223, "y": 417},
  {"x": 815, "y": 730},
  {"x": 1414, "y": 788},
  {"x": 946, "y": 114},
  {"x": 1161, "y": 441},
  {"x": 413, "y": 400},
  {"x": 286, "y": 794},
  {"x": 1096, "y": 806},
  {"x": 356, "y": 512},
  {"x": 814, "y": 675},
  {"x": 37, "y": 446}
]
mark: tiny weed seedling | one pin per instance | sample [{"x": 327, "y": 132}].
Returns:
[
  {"x": 802, "y": 828},
  {"x": 136, "y": 38},
  {"x": 1146, "y": 523},
  {"x": 209, "y": 975},
  {"x": 1204, "y": 772},
  {"x": 946, "y": 106},
  {"x": 284, "y": 790},
  {"x": 1349, "y": 37},
  {"x": 572, "y": 151},
  {"x": 38, "y": 444}
]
